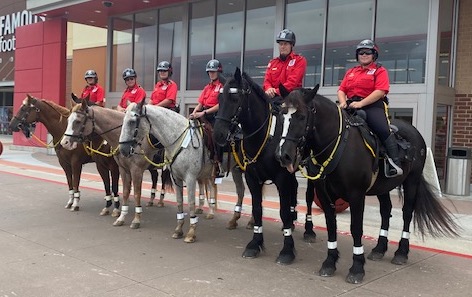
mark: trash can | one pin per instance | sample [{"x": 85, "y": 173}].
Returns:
[{"x": 459, "y": 161}]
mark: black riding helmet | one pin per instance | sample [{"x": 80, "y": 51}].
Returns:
[
  {"x": 165, "y": 66},
  {"x": 129, "y": 72},
  {"x": 368, "y": 44},
  {"x": 91, "y": 74},
  {"x": 286, "y": 35},
  {"x": 214, "y": 65}
]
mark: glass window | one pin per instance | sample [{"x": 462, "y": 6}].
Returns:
[
  {"x": 170, "y": 39},
  {"x": 144, "y": 48},
  {"x": 403, "y": 45},
  {"x": 348, "y": 24},
  {"x": 122, "y": 50},
  {"x": 309, "y": 33},
  {"x": 201, "y": 40},
  {"x": 229, "y": 34},
  {"x": 260, "y": 38},
  {"x": 445, "y": 40}
]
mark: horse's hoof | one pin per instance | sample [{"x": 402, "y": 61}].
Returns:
[
  {"x": 309, "y": 237},
  {"x": 116, "y": 213},
  {"x": 355, "y": 278},
  {"x": 400, "y": 260},
  {"x": 149, "y": 204},
  {"x": 375, "y": 256},
  {"x": 198, "y": 211},
  {"x": 68, "y": 206},
  {"x": 76, "y": 208},
  {"x": 118, "y": 223},
  {"x": 210, "y": 216},
  {"x": 190, "y": 239},
  {"x": 232, "y": 225},
  {"x": 135, "y": 225},
  {"x": 251, "y": 254},
  {"x": 105, "y": 212},
  {"x": 285, "y": 259},
  {"x": 327, "y": 271},
  {"x": 177, "y": 235},
  {"x": 160, "y": 204}
]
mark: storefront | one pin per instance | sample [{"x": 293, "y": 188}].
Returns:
[{"x": 417, "y": 41}]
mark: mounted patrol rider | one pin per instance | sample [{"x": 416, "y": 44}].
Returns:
[
  {"x": 165, "y": 90},
  {"x": 366, "y": 86},
  {"x": 93, "y": 89}
]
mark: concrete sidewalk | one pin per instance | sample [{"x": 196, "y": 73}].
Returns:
[{"x": 49, "y": 251}]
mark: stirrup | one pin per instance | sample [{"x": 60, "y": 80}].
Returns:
[
  {"x": 389, "y": 166},
  {"x": 219, "y": 170}
]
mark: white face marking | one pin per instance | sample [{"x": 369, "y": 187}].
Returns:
[
  {"x": 286, "y": 126},
  {"x": 70, "y": 120}
]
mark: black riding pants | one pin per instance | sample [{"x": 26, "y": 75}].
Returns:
[{"x": 377, "y": 119}]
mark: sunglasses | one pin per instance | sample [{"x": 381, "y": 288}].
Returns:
[
  {"x": 366, "y": 52},
  {"x": 129, "y": 78}
]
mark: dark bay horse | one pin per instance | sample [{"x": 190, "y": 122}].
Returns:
[
  {"x": 54, "y": 118},
  {"x": 87, "y": 120},
  {"x": 244, "y": 103},
  {"x": 349, "y": 169}
]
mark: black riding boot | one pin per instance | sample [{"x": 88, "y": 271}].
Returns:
[
  {"x": 394, "y": 169},
  {"x": 219, "y": 151}
]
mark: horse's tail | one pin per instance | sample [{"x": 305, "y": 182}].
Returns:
[
  {"x": 167, "y": 181},
  {"x": 431, "y": 215}
]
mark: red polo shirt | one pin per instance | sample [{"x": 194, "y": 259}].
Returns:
[
  {"x": 96, "y": 93},
  {"x": 164, "y": 89},
  {"x": 209, "y": 96},
  {"x": 361, "y": 82},
  {"x": 289, "y": 72},
  {"x": 134, "y": 94}
]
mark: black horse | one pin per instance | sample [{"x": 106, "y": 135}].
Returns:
[
  {"x": 244, "y": 103},
  {"x": 349, "y": 169}
]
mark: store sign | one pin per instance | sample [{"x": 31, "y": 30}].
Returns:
[{"x": 8, "y": 24}]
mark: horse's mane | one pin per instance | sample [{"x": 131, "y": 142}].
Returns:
[
  {"x": 58, "y": 108},
  {"x": 258, "y": 89}
]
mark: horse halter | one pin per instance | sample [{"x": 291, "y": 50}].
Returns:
[
  {"x": 22, "y": 122},
  {"x": 234, "y": 129},
  {"x": 81, "y": 137}
]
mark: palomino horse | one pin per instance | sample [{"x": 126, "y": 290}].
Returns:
[
  {"x": 54, "y": 118},
  {"x": 86, "y": 120},
  {"x": 245, "y": 103},
  {"x": 348, "y": 169},
  {"x": 185, "y": 154}
]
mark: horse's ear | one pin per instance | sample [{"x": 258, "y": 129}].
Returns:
[
  {"x": 31, "y": 99},
  {"x": 283, "y": 91},
  {"x": 237, "y": 75},
  {"x": 312, "y": 93},
  {"x": 141, "y": 104},
  {"x": 75, "y": 98}
]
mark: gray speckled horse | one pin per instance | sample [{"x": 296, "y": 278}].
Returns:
[{"x": 185, "y": 153}]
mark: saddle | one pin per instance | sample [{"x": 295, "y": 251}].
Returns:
[{"x": 357, "y": 118}]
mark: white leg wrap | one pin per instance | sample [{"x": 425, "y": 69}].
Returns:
[
  {"x": 212, "y": 201},
  {"x": 116, "y": 199},
  {"x": 332, "y": 245},
  {"x": 257, "y": 229},
  {"x": 406, "y": 235},
  {"x": 76, "y": 199},
  {"x": 383, "y": 233},
  {"x": 308, "y": 218},
  {"x": 107, "y": 198},
  {"x": 180, "y": 216},
  {"x": 288, "y": 232},
  {"x": 238, "y": 208},
  {"x": 358, "y": 250},
  {"x": 77, "y": 195},
  {"x": 138, "y": 209},
  {"x": 71, "y": 193},
  {"x": 124, "y": 209},
  {"x": 153, "y": 191},
  {"x": 201, "y": 197},
  {"x": 194, "y": 220}
]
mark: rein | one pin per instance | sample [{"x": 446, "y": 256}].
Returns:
[{"x": 332, "y": 155}]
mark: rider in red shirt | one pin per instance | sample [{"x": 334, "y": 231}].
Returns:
[
  {"x": 165, "y": 90},
  {"x": 133, "y": 91},
  {"x": 287, "y": 69},
  {"x": 208, "y": 106},
  {"x": 93, "y": 89},
  {"x": 366, "y": 87}
]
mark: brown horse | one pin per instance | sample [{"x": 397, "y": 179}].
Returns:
[{"x": 54, "y": 118}]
